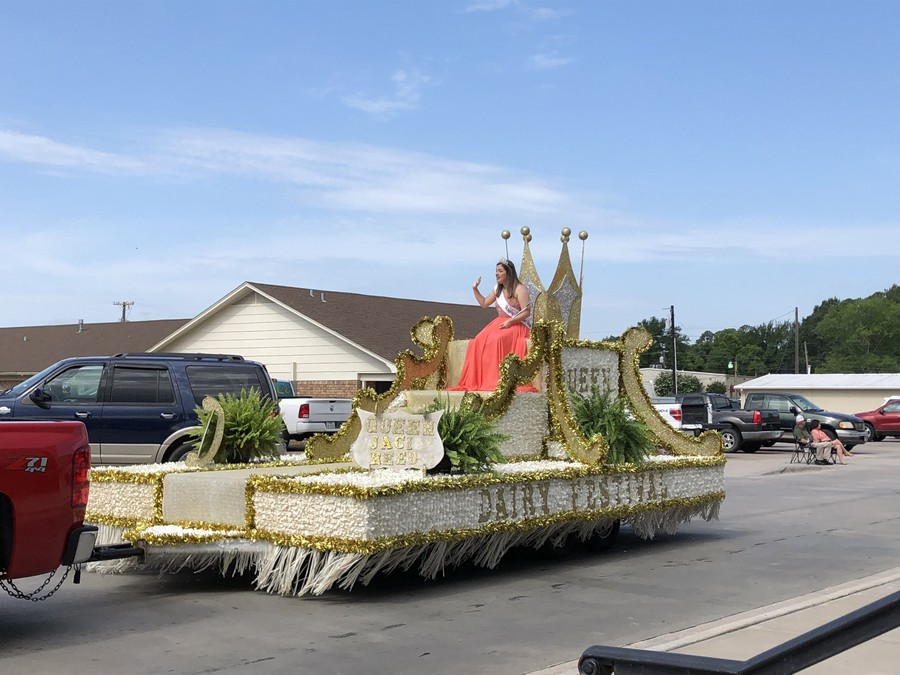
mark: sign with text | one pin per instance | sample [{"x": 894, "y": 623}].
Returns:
[
  {"x": 398, "y": 439},
  {"x": 584, "y": 367}
]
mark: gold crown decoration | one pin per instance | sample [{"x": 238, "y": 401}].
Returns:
[
  {"x": 529, "y": 277},
  {"x": 561, "y": 301},
  {"x": 566, "y": 290}
]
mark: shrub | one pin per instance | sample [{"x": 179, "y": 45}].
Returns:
[
  {"x": 471, "y": 441},
  {"x": 629, "y": 439},
  {"x": 716, "y": 387},
  {"x": 252, "y": 428},
  {"x": 687, "y": 384}
]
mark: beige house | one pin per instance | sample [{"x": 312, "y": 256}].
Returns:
[
  {"x": 838, "y": 393},
  {"x": 327, "y": 343}
]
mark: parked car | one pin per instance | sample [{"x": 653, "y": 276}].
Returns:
[
  {"x": 883, "y": 421},
  {"x": 741, "y": 429},
  {"x": 851, "y": 430},
  {"x": 137, "y": 408}
]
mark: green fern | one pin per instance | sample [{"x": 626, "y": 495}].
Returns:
[
  {"x": 471, "y": 441},
  {"x": 629, "y": 439},
  {"x": 252, "y": 428}
]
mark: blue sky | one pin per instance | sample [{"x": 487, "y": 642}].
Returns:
[{"x": 735, "y": 159}]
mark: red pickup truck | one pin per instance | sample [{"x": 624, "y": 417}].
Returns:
[{"x": 44, "y": 486}]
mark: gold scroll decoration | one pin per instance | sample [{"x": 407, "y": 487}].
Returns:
[{"x": 634, "y": 342}]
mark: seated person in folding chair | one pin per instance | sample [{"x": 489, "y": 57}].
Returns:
[
  {"x": 819, "y": 435},
  {"x": 805, "y": 439}
]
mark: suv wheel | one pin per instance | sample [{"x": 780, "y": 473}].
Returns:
[{"x": 180, "y": 452}]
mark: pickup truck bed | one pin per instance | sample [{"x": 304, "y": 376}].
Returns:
[
  {"x": 741, "y": 429},
  {"x": 304, "y": 417}
]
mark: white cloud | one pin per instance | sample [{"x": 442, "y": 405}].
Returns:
[
  {"x": 366, "y": 178},
  {"x": 406, "y": 95},
  {"x": 491, "y": 5},
  {"x": 548, "y": 60},
  {"x": 547, "y": 14},
  {"x": 30, "y": 149}
]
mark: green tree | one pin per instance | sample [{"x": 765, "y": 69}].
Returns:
[
  {"x": 860, "y": 336},
  {"x": 660, "y": 352}
]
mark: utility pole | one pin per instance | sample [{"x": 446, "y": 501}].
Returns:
[
  {"x": 674, "y": 352},
  {"x": 796, "y": 341},
  {"x": 125, "y": 304}
]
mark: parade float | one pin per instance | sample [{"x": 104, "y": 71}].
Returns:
[{"x": 367, "y": 499}]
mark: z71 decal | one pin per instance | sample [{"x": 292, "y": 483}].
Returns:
[{"x": 26, "y": 464}]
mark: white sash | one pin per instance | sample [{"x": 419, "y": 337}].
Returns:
[{"x": 507, "y": 308}]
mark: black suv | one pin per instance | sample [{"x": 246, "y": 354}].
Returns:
[{"x": 137, "y": 408}]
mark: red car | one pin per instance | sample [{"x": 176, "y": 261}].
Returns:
[{"x": 883, "y": 421}]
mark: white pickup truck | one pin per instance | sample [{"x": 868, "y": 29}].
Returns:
[
  {"x": 670, "y": 409},
  {"x": 304, "y": 416}
]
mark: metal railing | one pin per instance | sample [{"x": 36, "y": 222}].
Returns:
[{"x": 794, "y": 655}]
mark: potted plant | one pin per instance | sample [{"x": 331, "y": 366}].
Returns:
[
  {"x": 251, "y": 428},
  {"x": 629, "y": 439},
  {"x": 471, "y": 441}
]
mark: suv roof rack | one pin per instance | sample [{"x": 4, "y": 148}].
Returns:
[{"x": 179, "y": 355}]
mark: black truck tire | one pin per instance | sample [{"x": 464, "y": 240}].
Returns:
[
  {"x": 732, "y": 438},
  {"x": 178, "y": 453},
  {"x": 603, "y": 538}
]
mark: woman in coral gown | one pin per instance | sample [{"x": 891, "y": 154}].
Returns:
[{"x": 507, "y": 334}]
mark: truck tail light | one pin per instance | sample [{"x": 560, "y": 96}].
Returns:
[
  {"x": 757, "y": 417},
  {"x": 304, "y": 411},
  {"x": 81, "y": 483},
  {"x": 676, "y": 414}
]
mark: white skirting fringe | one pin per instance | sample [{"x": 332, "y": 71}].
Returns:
[
  {"x": 646, "y": 525},
  {"x": 299, "y": 571},
  {"x": 223, "y": 557}
]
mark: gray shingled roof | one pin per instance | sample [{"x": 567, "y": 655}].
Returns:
[
  {"x": 376, "y": 323},
  {"x": 30, "y": 349}
]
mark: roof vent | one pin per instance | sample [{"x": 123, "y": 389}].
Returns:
[
  {"x": 311, "y": 294},
  {"x": 323, "y": 297},
  {"x": 80, "y": 325}
]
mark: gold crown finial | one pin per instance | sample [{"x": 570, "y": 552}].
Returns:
[
  {"x": 582, "y": 235},
  {"x": 566, "y": 233},
  {"x": 505, "y": 234},
  {"x": 525, "y": 231}
]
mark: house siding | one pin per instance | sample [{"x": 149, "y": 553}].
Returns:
[{"x": 290, "y": 347}]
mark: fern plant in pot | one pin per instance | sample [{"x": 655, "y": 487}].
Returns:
[
  {"x": 471, "y": 441},
  {"x": 629, "y": 439},
  {"x": 252, "y": 428}
]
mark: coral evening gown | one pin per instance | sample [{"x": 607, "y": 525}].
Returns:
[{"x": 481, "y": 369}]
